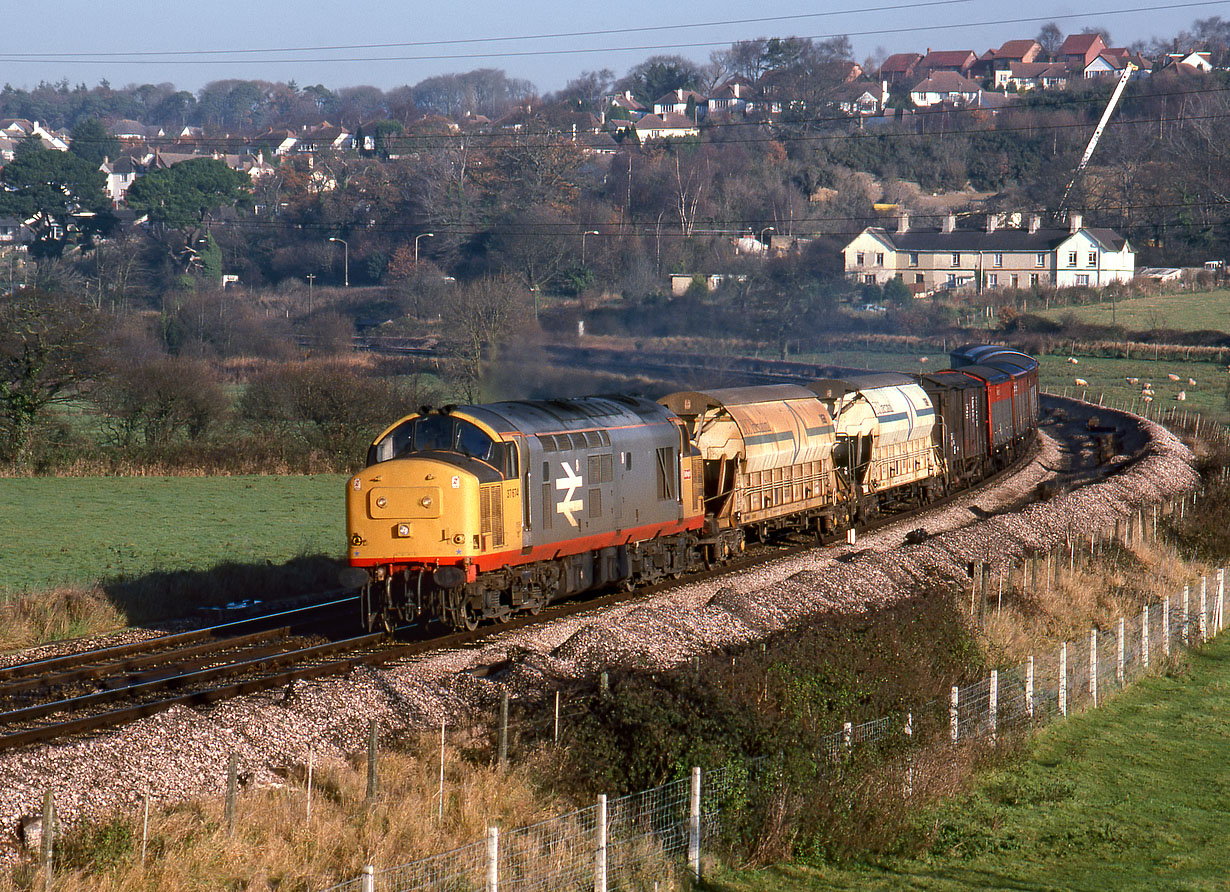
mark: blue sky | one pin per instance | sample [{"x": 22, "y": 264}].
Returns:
[{"x": 208, "y": 36}]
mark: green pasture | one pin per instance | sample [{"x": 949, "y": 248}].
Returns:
[
  {"x": 1186, "y": 311},
  {"x": 1131, "y": 796},
  {"x": 79, "y": 530},
  {"x": 1107, "y": 377},
  {"x": 1108, "y": 380}
]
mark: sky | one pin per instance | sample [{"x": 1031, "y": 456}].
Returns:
[{"x": 387, "y": 44}]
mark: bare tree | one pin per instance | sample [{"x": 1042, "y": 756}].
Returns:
[{"x": 482, "y": 316}]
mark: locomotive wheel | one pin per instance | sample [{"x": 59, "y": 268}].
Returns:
[{"x": 469, "y": 617}]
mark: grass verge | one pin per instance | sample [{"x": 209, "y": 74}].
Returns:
[{"x": 1129, "y": 796}]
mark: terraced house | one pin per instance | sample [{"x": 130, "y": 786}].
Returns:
[{"x": 929, "y": 260}]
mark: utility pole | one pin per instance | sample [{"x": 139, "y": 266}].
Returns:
[{"x": 311, "y": 278}]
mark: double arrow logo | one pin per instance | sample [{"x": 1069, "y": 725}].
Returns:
[{"x": 572, "y": 482}]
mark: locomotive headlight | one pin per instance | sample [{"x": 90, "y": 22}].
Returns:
[
  {"x": 381, "y": 501},
  {"x": 459, "y": 539},
  {"x": 403, "y": 530}
]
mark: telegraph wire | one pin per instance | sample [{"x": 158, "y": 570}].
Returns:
[
  {"x": 573, "y": 51},
  {"x": 504, "y": 39}
]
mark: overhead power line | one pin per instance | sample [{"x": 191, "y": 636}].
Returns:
[
  {"x": 691, "y": 26},
  {"x": 129, "y": 59}
]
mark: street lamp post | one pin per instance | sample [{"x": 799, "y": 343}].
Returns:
[
  {"x": 763, "y": 231},
  {"x": 416, "y": 244},
  {"x": 583, "y": 234},
  {"x": 311, "y": 277},
  {"x": 345, "y": 259}
]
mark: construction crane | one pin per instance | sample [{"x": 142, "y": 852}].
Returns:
[{"x": 1097, "y": 133}]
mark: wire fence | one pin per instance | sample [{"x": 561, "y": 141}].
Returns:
[{"x": 652, "y": 839}]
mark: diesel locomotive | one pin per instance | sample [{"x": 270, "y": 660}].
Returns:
[{"x": 472, "y": 513}]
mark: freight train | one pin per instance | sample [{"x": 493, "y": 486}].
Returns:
[{"x": 466, "y": 514}]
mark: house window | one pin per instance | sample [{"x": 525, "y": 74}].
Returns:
[
  {"x": 956, "y": 258},
  {"x": 1071, "y": 258},
  {"x": 879, "y": 259},
  {"x": 952, "y": 280},
  {"x": 1016, "y": 280},
  {"x": 992, "y": 281},
  {"x": 1040, "y": 260},
  {"x": 999, "y": 259},
  {"x": 1093, "y": 259},
  {"x": 913, "y": 258},
  {"x": 1033, "y": 278},
  {"x": 918, "y": 278},
  {"x": 861, "y": 257},
  {"x": 1082, "y": 279}
]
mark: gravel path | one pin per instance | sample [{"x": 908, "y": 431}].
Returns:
[{"x": 183, "y": 752}]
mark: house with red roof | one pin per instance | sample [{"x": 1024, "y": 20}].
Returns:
[
  {"x": 1078, "y": 50},
  {"x": 899, "y": 68},
  {"x": 959, "y": 61}
]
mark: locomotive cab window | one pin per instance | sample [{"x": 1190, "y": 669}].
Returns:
[{"x": 443, "y": 433}]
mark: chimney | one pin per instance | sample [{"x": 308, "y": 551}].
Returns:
[
  {"x": 992, "y": 222},
  {"x": 949, "y": 223},
  {"x": 1074, "y": 222},
  {"x": 1035, "y": 220},
  {"x": 903, "y": 221}
]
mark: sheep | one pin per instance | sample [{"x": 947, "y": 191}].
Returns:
[
  {"x": 1133, "y": 381},
  {"x": 1172, "y": 376},
  {"x": 922, "y": 359},
  {"x": 1191, "y": 382},
  {"x": 1073, "y": 360},
  {"x": 1147, "y": 398},
  {"x": 1181, "y": 395},
  {"x": 1081, "y": 382}
]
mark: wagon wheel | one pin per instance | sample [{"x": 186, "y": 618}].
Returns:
[{"x": 469, "y": 616}]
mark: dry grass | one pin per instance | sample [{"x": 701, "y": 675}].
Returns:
[
  {"x": 1061, "y": 596},
  {"x": 273, "y": 846},
  {"x": 33, "y": 619}
]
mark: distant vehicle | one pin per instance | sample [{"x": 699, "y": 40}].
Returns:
[{"x": 874, "y": 308}]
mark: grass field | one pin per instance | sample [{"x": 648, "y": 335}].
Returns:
[
  {"x": 76, "y": 531},
  {"x": 1204, "y": 311},
  {"x": 1108, "y": 377},
  {"x": 1128, "y": 797}
]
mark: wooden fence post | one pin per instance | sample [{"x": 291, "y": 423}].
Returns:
[
  {"x": 1166, "y": 627},
  {"x": 493, "y": 859},
  {"x": 373, "y": 756},
  {"x": 1187, "y": 595},
  {"x": 503, "y": 744},
  {"x": 1204, "y": 606},
  {"x": 993, "y": 704},
  {"x": 600, "y": 847},
  {"x": 1119, "y": 645},
  {"x": 367, "y": 879},
  {"x": 694, "y": 825},
  {"x": 47, "y": 839},
  {"x": 232, "y": 789},
  {"x": 1063, "y": 678},
  {"x": 1221, "y": 598},
  {"x": 954, "y": 719},
  {"x": 1029, "y": 686},
  {"x": 1093, "y": 666},
  {"x": 1144, "y": 636}
]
